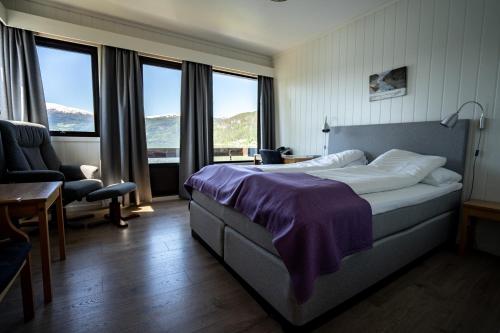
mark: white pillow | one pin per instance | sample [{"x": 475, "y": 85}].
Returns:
[
  {"x": 442, "y": 176},
  {"x": 406, "y": 162},
  {"x": 90, "y": 171},
  {"x": 360, "y": 161},
  {"x": 339, "y": 160}
]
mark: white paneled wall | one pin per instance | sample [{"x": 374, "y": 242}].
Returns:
[
  {"x": 77, "y": 150},
  {"x": 451, "y": 48}
]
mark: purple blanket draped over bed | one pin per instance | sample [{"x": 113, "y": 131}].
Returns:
[{"x": 314, "y": 222}]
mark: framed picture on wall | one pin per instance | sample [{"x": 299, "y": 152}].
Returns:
[{"x": 388, "y": 84}]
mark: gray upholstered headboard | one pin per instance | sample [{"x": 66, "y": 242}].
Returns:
[{"x": 428, "y": 138}]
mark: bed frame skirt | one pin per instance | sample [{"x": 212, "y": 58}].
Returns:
[{"x": 266, "y": 274}]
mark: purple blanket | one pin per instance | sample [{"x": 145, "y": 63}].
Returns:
[{"x": 314, "y": 222}]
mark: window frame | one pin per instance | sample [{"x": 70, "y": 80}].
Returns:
[
  {"x": 145, "y": 60},
  {"x": 85, "y": 49},
  {"x": 246, "y": 76}
]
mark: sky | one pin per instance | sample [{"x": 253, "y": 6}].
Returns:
[
  {"x": 162, "y": 91},
  {"x": 67, "y": 80},
  {"x": 233, "y": 95},
  {"x": 66, "y": 77}
]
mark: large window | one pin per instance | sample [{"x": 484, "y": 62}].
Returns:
[
  {"x": 162, "y": 109},
  {"x": 69, "y": 77},
  {"x": 235, "y": 117}
]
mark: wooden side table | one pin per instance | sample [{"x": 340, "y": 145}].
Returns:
[
  {"x": 475, "y": 209},
  {"x": 35, "y": 199}
]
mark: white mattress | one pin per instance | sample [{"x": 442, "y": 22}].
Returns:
[{"x": 382, "y": 202}]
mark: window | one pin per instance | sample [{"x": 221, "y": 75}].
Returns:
[
  {"x": 69, "y": 77},
  {"x": 162, "y": 109},
  {"x": 235, "y": 117}
]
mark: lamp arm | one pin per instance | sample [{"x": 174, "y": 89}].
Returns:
[{"x": 474, "y": 102}]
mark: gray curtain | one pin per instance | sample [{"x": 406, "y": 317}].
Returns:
[
  {"x": 21, "y": 90},
  {"x": 196, "y": 121},
  {"x": 123, "y": 130},
  {"x": 265, "y": 113}
]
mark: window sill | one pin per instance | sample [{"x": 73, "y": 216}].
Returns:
[
  {"x": 163, "y": 160},
  {"x": 234, "y": 162},
  {"x": 75, "y": 139},
  {"x": 163, "y": 164}
]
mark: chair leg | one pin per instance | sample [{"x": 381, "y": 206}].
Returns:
[
  {"x": 27, "y": 290},
  {"x": 115, "y": 214}
]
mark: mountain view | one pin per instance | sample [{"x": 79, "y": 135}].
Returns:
[
  {"x": 163, "y": 131},
  {"x": 67, "y": 119},
  {"x": 234, "y": 132},
  {"x": 237, "y": 131},
  {"x": 232, "y": 137}
]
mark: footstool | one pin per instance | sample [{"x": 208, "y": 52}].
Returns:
[{"x": 113, "y": 192}]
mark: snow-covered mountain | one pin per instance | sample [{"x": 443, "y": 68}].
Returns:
[
  {"x": 65, "y": 118},
  {"x": 66, "y": 109}
]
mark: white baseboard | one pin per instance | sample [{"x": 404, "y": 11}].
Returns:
[{"x": 80, "y": 206}]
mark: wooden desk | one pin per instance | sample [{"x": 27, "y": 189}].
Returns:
[
  {"x": 297, "y": 158},
  {"x": 34, "y": 199},
  {"x": 476, "y": 209},
  {"x": 286, "y": 158}
]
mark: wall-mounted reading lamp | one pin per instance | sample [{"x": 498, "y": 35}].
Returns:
[{"x": 450, "y": 122}]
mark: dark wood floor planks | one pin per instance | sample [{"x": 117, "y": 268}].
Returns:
[{"x": 154, "y": 277}]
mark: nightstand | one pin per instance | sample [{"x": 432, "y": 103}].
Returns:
[{"x": 476, "y": 209}]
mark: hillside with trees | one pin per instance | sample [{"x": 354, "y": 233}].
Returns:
[{"x": 164, "y": 131}]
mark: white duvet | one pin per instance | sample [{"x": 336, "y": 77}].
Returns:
[
  {"x": 392, "y": 170},
  {"x": 331, "y": 161}
]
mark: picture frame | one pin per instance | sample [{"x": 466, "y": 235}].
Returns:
[{"x": 388, "y": 84}]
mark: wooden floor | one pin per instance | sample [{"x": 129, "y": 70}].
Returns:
[{"x": 154, "y": 277}]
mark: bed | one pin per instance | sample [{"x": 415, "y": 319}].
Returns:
[{"x": 407, "y": 223}]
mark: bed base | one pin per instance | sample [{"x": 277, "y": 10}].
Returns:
[{"x": 266, "y": 274}]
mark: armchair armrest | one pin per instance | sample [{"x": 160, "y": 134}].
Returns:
[
  {"x": 79, "y": 172},
  {"x": 34, "y": 176}
]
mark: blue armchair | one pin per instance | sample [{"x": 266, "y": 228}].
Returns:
[
  {"x": 270, "y": 156},
  {"x": 30, "y": 157}
]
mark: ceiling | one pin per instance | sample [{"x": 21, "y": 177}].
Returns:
[{"x": 260, "y": 26}]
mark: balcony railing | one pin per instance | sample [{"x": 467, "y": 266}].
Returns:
[{"x": 171, "y": 155}]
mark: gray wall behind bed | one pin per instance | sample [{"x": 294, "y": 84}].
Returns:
[{"x": 428, "y": 138}]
